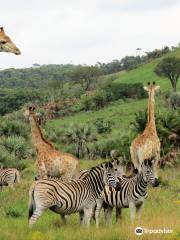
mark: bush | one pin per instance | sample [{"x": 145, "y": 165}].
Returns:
[
  {"x": 175, "y": 100},
  {"x": 103, "y": 126},
  {"x": 115, "y": 91},
  {"x": 13, "y": 127}
]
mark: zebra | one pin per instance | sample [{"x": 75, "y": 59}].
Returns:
[
  {"x": 132, "y": 193},
  {"x": 8, "y": 177},
  {"x": 66, "y": 198},
  {"x": 112, "y": 183}
]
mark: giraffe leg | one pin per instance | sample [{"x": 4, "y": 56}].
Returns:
[
  {"x": 42, "y": 172},
  {"x": 157, "y": 158}
]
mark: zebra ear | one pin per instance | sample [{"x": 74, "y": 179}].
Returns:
[
  {"x": 110, "y": 165},
  {"x": 145, "y": 162},
  {"x": 106, "y": 165},
  {"x": 149, "y": 162},
  {"x": 117, "y": 162}
]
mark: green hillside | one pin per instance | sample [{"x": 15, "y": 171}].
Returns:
[
  {"x": 120, "y": 112},
  {"x": 145, "y": 73}
]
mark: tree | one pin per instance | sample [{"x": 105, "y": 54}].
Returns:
[
  {"x": 80, "y": 135},
  {"x": 169, "y": 68},
  {"x": 85, "y": 76}
]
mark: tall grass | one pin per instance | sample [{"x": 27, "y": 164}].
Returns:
[{"x": 161, "y": 210}]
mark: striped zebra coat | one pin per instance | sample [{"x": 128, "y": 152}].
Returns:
[
  {"x": 8, "y": 177},
  {"x": 66, "y": 198},
  {"x": 132, "y": 193}
]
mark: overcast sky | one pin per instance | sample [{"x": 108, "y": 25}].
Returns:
[{"x": 86, "y": 31}]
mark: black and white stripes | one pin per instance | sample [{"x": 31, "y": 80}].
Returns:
[
  {"x": 67, "y": 198},
  {"x": 8, "y": 177},
  {"x": 132, "y": 193}
]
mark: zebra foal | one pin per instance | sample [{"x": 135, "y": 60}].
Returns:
[
  {"x": 132, "y": 193},
  {"x": 66, "y": 198},
  {"x": 8, "y": 177}
]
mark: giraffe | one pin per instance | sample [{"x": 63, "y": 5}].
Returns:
[
  {"x": 6, "y": 45},
  {"x": 147, "y": 145},
  {"x": 50, "y": 162}
]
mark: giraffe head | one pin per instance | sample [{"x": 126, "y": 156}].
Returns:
[
  {"x": 6, "y": 45},
  {"x": 151, "y": 88},
  {"x": 30, "y": 112}
]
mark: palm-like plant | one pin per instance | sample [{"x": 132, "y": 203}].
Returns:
[{"x": 80, "y": 135}]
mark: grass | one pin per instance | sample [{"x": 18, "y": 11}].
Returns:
[
  {"x": 161, "y": 211},
  {"x": 162, "y": 208},
  {"x": 145, "y": 73}
]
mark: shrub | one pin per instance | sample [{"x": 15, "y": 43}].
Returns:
[
  {"x": 14, "y": 127},
  {"x": 175, "y": 100},
  {"x": 103, "y": 126}
]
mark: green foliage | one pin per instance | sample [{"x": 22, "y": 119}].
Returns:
[
  {"x": 169, "y": 68},
  {"x": 130, "y": 62},
  {"x": 85, "y": 76},
  {"x": 115, "y": 91},
  {"x": 80, "y": 135},
  {"x": 14, "y": 212},
  {"x": 14, "y": 142},
  {"x": 102, "y": 148},
  {"x": 175, "y": 100},
  {"x": 103, "y": 126}
]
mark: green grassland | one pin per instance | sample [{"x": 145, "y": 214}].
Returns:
[{"x": 162, "y": 210}]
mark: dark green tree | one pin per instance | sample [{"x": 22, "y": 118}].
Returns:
[
  {"x": 85, "y": 76},
  {"x": 169, "y": 68}
]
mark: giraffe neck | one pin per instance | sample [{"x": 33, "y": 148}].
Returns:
[
  {"x": 37, "y": 135},
  {"x": 151, "y": 113}
]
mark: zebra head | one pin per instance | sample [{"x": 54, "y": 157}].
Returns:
[
  {"x": 111, "y": 175},
  {"x": 148, "y": 172}
]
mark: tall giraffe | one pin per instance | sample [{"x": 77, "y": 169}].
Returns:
[
  {"x": 147, "y": 145},
  {"x": 6, "y": 45},
  {"x": 50, "y": 162}
]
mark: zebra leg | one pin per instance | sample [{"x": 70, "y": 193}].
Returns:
[
  {"x": 108, "y": 215},
  {"x": 139, "y": 210},
  {"x": 88, "y": 212},
  {"x": 132, "y": 211},
  {"x": 37, "y": 213},
  {"x": 99, "y": 204},
  {"x": 65, "y": 218},
  {"x": 118, "y": 214},
  {"x": 81, "y": 217}
]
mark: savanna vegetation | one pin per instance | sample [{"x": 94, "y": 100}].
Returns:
[{"x": 89, "y": 111}]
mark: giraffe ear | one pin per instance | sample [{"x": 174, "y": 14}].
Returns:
[
  {"x": 157, "y": 88},
  {"x": 146, "y": 89}
]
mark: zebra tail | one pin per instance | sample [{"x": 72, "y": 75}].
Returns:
[{"x": 32, "y": 205}]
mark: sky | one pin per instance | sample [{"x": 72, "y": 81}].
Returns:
[{"x": 86, "y": 31}]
